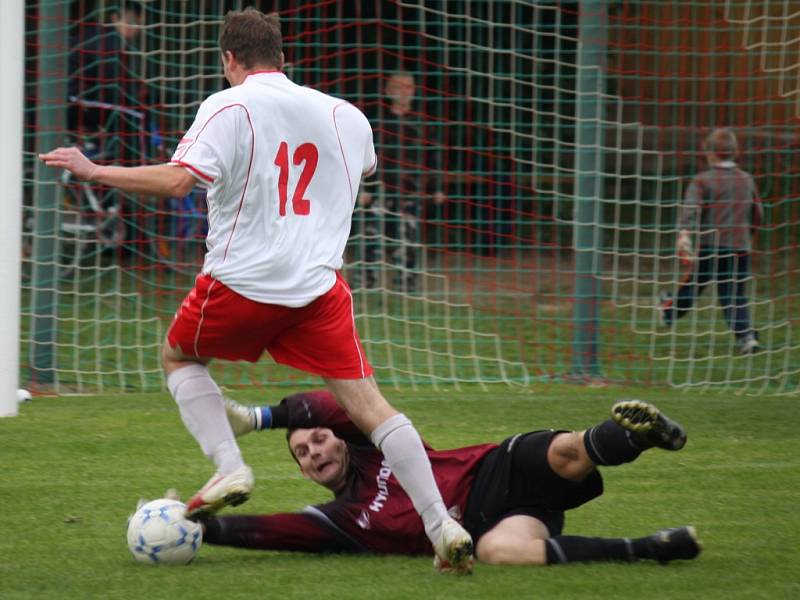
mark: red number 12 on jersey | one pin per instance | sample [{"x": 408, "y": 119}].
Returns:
[{"x": 304, "y": 153}]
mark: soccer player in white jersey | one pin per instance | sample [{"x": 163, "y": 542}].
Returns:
[{"x": 282, "y": 165}]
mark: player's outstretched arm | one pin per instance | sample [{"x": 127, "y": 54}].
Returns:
[
  {"x": 317, "y": 408},
  {"x": 294, "y": 532},
  {"x": 154, "y": 180}
]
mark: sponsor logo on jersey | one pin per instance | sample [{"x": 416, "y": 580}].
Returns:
[
  {"x": 363, "y": 520},
  {"x": 382, "y": 494}
]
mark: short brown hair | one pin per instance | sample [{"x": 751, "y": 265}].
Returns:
[
  {"x": 254, "y": 38},
  {"x": 722, "y": 143},
  {"x": 289, "y": 433}
]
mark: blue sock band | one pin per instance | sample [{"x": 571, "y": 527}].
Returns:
[{"x": 266, "y": 417}]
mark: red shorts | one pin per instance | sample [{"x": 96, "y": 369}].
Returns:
[{"x": 215, "y": 322}]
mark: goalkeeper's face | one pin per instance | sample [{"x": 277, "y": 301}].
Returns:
[{"x": 322, "y": 456}]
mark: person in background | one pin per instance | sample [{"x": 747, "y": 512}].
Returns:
[
  {"x": 723, "y": 207},
  {"x": 102, "y": 78},
  {"x": 410, "y": 177}
]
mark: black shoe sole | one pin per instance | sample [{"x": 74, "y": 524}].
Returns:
[
  {"x": 203, "y": 514},
  {"x": 649, "y": 425}
]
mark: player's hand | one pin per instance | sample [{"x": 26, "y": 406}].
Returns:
[
  {"x": 70, "y": 159},
  {"x": 685, "y": 246}
]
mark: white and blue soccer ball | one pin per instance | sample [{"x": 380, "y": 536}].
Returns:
[{"x": 159, "y": 533}]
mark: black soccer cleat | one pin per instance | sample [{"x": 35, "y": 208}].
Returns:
[
  {"x": 648, "y": 425},
  {"x": 678, "y": 543}
]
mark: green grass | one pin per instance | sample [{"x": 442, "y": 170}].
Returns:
[{"x": 73, "y": 468}]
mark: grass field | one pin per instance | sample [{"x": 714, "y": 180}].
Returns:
[{"x": 73, "y": 468}]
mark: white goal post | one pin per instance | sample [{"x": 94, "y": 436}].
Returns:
[{"x": 12, "y": 26}]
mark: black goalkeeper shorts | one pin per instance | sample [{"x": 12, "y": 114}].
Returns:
[{"x": 516, "y": 479}]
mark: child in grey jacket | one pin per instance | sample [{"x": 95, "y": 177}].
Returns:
[{"x": 723, "y": 208}]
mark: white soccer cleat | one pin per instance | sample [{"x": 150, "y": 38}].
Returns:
[
  {"x": 243, "y": 419},
  {"x": 220, "y": 491},
  {"x": 454, "y": 549}
]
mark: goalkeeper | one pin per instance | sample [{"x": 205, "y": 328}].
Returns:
[
  {"x": 723, "y": 205},
  {"x": 511, "y": 497}
]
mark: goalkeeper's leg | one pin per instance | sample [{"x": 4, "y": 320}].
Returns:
[
  {"x": 678, "y": 543},
  {"x": 524, "y": 540},
  {"x": 634, "y": 426}
]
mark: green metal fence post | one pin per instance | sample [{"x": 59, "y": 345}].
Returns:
[
  {"x": 590, "y": 83},
  {"x": 50, "y": 126}
]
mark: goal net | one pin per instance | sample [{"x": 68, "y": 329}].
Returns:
[
  {"x": 473, "y": 246},
  {"x": 675, "y": 72}
]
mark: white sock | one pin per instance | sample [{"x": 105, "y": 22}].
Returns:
[
  {"x": 404, "y": 453},
  {"x": 203, "y": 412}
]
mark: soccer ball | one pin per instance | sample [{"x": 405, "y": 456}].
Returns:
[{"x": 158, "y": 533}]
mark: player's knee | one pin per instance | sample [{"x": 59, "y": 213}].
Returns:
[
  {"x": 173, "y": 358},
  {"x": 516, "y": 540},
  {"x": 567, "y": 456},
  {"x": 565, "y": 448}
]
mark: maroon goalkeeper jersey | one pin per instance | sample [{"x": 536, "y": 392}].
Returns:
[{"x": 372, "y": 513}]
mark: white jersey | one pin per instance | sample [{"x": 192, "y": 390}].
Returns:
[{"x": 282, "y": 164}]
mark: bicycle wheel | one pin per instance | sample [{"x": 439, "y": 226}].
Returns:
[
  {"x": 89, "y": 224},
  {"x": 73, "y": 233},
  {"x": 177, "y": 229}
]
